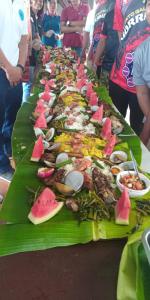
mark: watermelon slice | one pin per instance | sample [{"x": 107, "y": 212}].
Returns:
[
  {"x": 45, "y": 207},
  {"x": 80, "y": 83},
  {"x": 89, "y": 92},
  {"x": 41, "y": 122},
  {"x": 106, "y": 130},
  {"x": 38, "y": 149},
  {"x": 51, "y": 83},
  {"x": 93, "y": 99},
  {"x": 110, "y": 145},
  {"x": 47, "y": 89},
  {"x": 43, "y": 81},
  {"x": 45, "y": 96},
  {"x": 122, "y": 209},
  {"x": 98, "y": 115},
  {"x": 40, "y": 108}
]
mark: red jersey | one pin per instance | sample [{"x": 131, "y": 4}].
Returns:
[
  {"x": 74, "y": 39},
  {"x": 130, "y": 19}
]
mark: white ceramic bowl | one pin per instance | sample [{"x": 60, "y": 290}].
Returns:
[
  {"x": 133, "y": 193},
  {"x": 121, "y": 153}
]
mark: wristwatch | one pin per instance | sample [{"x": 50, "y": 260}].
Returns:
[
  {"x": 21, "y": 67},
  {"x": 68, "y": 23}
]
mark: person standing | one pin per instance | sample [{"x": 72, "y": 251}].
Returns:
[
  {"x": 51, "y": 26},
  {"x": 141, "y": 77},
  {"x": 107, "y": 47},
  {"x": 88, "y": 33},
  {"x": 73, "y": 20},
  {"x": 102, "y": 9},
  {"x": 36, "y": 12},
  {"x": 130, "y": 22},
  {"x": 13, "y": 54}
]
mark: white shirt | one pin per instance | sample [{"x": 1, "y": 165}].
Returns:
[
  {"x": 13, "y": 24},
  {"x": 89, "y": 26}
]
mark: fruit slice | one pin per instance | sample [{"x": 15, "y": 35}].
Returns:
[
  {"x": 110, "y": 145},
  {"x": 45, "y": 96},
  {"x": 40, "y": 107},
  {"x": 45, "y": 172},
  {"x": 45, "y": 207},
  {"x": 98, "y": 115},
  {"x": 43, "y": 81},
  {"x": 38, "y": 149},
  {"x": 106, "y": 130},
  {"x": 122, "y": 209},
  {"x": 41, "y": 122},
  {"x": 93, "y": 99}
]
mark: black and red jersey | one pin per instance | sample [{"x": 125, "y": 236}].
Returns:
[{"x": 130, "y": 19}]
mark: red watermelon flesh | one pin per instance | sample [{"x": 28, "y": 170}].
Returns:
[
  {"x": 98, "y": 115},
  {"x": 122, "y": 209},
  {"x": 43, "y": 81},
  {"x": 51, "y": 83},
  {"x": 110, "y": 145},
  {"x": 38, "y": 149},
  {"x": 89, "y": 92},
  {"x": 41, "y": 122},
  {"x": 106, "y": 130},
  {"x": 93, "y": 99},
  {"x": 45, "y": 96},
  {"x": 47, "y": 89},
  {"x": 45, "y": 207},
  {"x": 40, "y": 108}
]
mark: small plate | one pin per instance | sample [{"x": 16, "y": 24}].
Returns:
[
  {"x": 127, "y": 166},
  {"x": 118, "y": 157}
]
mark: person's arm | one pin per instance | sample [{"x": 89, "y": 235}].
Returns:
[
  {"x": 23, "y": 50},
  {"x": 145, "y": 134},
  {"x": 4, "y": 63},
  {"x": 143, "y": 95},
  {"x": 100, "y": 50},
  {"x": 118, "y": 19},
  {"x": 86, "y": 40},
  {"x": 70, "y": 29},
  {"x": 78, "y": 23}
]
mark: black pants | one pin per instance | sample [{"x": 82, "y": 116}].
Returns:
[{"x": 123, "y": 99}]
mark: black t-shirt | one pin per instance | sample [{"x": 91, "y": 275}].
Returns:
[{"x": 112, "y": 41}]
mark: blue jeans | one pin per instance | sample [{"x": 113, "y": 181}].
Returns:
[{"x": 10, "y": 102}]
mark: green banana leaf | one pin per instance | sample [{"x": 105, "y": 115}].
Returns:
[
  {"x": 63, "y": 229},
  {"x": 134, "y": 273}
]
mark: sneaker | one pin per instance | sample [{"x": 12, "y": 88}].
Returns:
[{"x": 8, "y": 175}]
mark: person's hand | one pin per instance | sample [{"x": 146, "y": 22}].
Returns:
[
  {"x": 36, "y": 44},
  {"x": 49, "y": 33},
  {"x": 14, "y": 74}
]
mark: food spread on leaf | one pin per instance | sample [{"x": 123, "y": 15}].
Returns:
[{"x": 77, "y": 146}]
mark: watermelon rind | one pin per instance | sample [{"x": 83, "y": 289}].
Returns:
[
  {"x": 37, "y": 220},
  {"x": 121, "y": 221}
]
